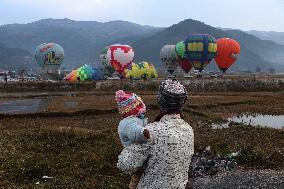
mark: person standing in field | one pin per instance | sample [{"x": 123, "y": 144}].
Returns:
[
  {"x": 6, "y": 78},
  {"x": 166, "y": 157}
]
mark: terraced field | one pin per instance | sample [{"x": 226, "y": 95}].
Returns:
[{"x": 73, "y": 139}]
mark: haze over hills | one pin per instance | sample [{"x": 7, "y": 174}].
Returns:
[
  {"x": 277, "y": 37},
  {"x": 83, "y": 41}
]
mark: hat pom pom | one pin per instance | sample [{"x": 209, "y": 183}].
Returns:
[{"x": 120, "y": 96}]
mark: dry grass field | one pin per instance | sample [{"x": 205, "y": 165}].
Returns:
[{"x": 77, "y": 145}]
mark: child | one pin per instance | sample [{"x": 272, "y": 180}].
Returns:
[{"x": 131, "y": 128}]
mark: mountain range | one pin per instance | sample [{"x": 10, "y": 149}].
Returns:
[
  {"x": 13, "y": 58},
  {"x": 84, "y": 40},
  {"x": 254, "y": 51},
  {"x": 277, "y": 37}
]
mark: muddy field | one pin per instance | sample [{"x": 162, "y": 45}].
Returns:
[{"x": 71, "y": 137}]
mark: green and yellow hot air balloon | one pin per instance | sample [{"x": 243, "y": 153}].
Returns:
[{"x": 139, "y": 70}]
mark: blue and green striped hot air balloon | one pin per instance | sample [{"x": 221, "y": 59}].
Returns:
[{"x": 200, "y": 49}]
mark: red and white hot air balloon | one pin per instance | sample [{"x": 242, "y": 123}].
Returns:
[{"x": 120, "y": 57}]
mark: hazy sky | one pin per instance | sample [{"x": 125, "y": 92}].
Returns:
[{"x": 241, "y": 14}]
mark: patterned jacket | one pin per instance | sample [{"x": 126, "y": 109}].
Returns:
[{"x": 166, "y": 157}]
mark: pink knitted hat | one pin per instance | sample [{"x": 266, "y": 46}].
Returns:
[{"x": 129, "y": 104}]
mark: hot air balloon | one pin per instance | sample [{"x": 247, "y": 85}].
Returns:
[
  {"x": 169, "y": 57},
  {"x": 72, "y": 76},
  {"x": 200, "y": 49},
  {"x": 137, "y": 71},
  {"x": 227, "y": 53},
  {"x": 85, "y": 73},
  {"x": 89, "y": 73},
  {"x": 120, "y": 56},
  {"x": 49, "y": 56},
  {"x": 184, "y": 63}
]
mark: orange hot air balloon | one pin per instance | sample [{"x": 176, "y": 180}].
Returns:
[{"x": 227, "y": 53}]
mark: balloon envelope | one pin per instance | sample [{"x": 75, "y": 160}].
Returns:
[
  {"x": 49, "y": 56},
  {"x": 200, "y": 49},
  {"x": 120, "y": 56},
  {"x": 72, "y": 76},
  {"x": 184, "y": 63},
  {"x": 136, "y": 71},
  {"x": 169, "y": 57},
  {"x": 85, "y": 73},
  {"x": 89, "y": 73},
  {"x": 180, "y": 50},
  {"x": 228, "y": 51}
]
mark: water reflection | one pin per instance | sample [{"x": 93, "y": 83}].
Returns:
[
  {"x": 71, "y": 104},
  {"x": 23, "y": 106},
  {"x": 273, "y": 121}
]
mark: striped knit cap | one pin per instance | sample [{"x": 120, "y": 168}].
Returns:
[
  {"x": 171, "y": 96},
  {"x": 129, "y": 104}
]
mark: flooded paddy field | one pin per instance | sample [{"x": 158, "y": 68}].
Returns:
[{"x": 69, "y": 139}]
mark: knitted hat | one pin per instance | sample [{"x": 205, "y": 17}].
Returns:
[
  {"x": 171, "y": 96},
  {"x": 129, "y": 104}
]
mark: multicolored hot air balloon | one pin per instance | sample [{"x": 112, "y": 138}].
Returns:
[
  {"x": 228, "y": 51},
  {"x": 184, "y": 63},
  {"x": 169, "y": 57},
  {"x": 85, "y": 73},
  {"x": 120, "y": 57},
  {"x": 49, "y": 56},
  {"x": 71, "y": 76},
  {"x": 200, "y": 49},
  {"x": 137, "y": 71}
]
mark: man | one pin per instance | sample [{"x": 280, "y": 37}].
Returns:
[
  {"x": 167, "y": 157},
  {"x": 6, "y": 78}
]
